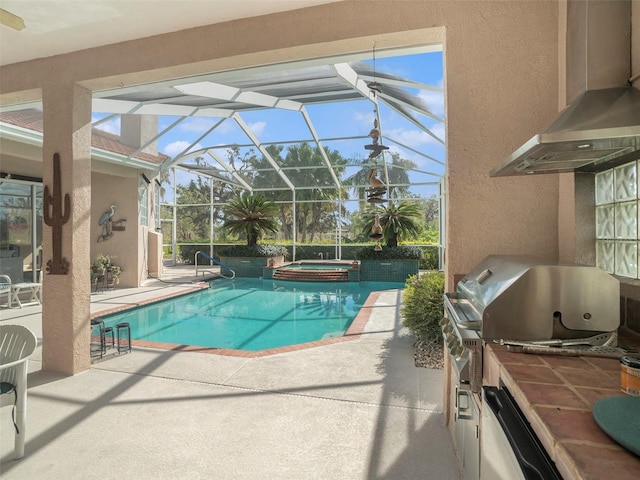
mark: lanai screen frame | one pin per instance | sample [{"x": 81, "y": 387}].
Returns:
[{"x": 239, "y": 92}]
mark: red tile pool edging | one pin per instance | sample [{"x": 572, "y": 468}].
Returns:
[{"x": 354, "y": 331}]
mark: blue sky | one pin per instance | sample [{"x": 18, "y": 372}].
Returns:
[{"x": 333, "y": 120}]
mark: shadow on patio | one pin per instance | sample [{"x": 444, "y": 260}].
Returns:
[{"x": 353, "y": 410}]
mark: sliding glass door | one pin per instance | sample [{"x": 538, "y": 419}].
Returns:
[{"x": 20, "y": 230}]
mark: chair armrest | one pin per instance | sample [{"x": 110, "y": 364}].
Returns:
[{"x": 13, "y": 364}]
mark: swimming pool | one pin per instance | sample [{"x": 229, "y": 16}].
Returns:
[{"x": 251, "y": 314}]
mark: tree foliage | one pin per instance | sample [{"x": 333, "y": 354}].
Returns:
[
  {"x": 394, "y": 175},
  {"x": 396, "y": 221},
  {"x": 250, "y": 215},
  {"x": 316, "y": 218},
  {"x": 193, "y": 220},
  {"x": 305, "y": 167}
]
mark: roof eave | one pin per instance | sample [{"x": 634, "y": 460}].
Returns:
[{"x": 33, "y": 137}]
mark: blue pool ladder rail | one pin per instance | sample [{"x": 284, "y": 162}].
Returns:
[{"x": 211, "y": 259}]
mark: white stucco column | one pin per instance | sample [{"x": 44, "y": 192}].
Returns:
[{"x": 66, "y": 297}]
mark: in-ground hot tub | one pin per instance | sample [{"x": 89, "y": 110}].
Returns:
[{"x": 314, "y": 271}]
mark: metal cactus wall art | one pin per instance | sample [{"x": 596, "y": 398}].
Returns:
[{"x": 55, "y": 215}]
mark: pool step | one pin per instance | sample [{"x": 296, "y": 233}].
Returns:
[{"x": 311, "y": 275}]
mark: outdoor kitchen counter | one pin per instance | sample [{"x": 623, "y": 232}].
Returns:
[{"x": 557, "y": 395}]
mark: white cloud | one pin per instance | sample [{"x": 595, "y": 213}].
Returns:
[
  {"x": 177, "y": 147},
  {"x": 416, "y": 138},
  {"x": 364, "y": 119},
  {"x": 439, "y": 131},
  {"x": 434, "y": 100},
  {"x": 258, "y": 128},
  {"x": 226, "y": 127},
  {"x": 112, "y": 126},
  {"x": 197, "y": 124}
]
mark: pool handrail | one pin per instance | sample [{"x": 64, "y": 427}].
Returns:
[{"x": 211, "y": 259}]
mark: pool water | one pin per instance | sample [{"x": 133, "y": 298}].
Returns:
[{"x": 251, "y": 314}]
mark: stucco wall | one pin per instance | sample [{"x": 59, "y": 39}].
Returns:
[
  {"x": 107, "y": 190},
  {"x": 501, "y": 78},
  {"x": 20, "y": 166},
  {"x": 501, "y": 71}
]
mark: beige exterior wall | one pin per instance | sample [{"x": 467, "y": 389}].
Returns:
[
  {"x": 20, "y": 166},
  {"x": 501, "y": 79},
  {"x": 109, "y": 190},
  {"x": 110, "y": 184}
]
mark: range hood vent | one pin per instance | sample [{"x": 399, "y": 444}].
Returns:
[{"x": 599, "y": 130}]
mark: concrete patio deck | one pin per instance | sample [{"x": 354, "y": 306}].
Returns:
[{"x": 353, "y": 410}]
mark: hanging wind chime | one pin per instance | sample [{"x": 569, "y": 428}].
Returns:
[
  {"x": 376, "y": 233},
  {"x": 377, "y": 189}
]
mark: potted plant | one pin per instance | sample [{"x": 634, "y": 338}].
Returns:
[
  {"x": 102, "y": 264},
  {"x": 251, "y": 216}
]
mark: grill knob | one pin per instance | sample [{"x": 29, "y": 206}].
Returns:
[
  {"x": 447, "y": 329},
  {"x": 444, "y": 321}
]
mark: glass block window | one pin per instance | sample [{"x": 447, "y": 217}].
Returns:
[
  {"x": 617, "y": 220},
  {"x": 143, "y": 202}
]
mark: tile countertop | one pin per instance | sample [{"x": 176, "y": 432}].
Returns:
[{"x": 557, "y": 394}]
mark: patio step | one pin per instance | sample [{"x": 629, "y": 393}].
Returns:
[{"x": 300, "y": 275}]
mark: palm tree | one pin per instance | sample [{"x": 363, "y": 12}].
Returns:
[
  {"x": 396, "y": 221},
  {"x": 251, "y": 215}
]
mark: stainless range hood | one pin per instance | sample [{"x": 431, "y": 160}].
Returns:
[{"x": 599, "y": 130}]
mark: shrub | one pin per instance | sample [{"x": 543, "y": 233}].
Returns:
[
  {"x": 188, "y": 252},
  {"x": 430, "y": 261},
  {"x": 423, "y": 306},
  {"x": 262, "y": 250},
  {"x": 388, "y": 253}
]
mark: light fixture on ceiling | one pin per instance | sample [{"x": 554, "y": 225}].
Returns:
[{"x": 10, "y": 20}]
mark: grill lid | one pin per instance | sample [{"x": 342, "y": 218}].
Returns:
[{"x": 526, "y": 298}]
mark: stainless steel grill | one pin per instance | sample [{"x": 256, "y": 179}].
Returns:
[
  {"x": 525, "y": 299},
  {"x": 528, "y": 299}
]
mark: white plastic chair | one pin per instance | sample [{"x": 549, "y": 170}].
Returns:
[
  {"x": 5, "y": 288},
  {"x": 17, "y": 344}
]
